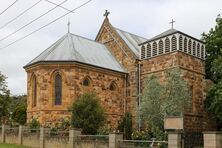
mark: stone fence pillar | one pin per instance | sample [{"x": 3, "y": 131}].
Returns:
[
  {"x": 212, "y": 139},
  {"x": 3, "y": 133},
  {"x": 113, "y": 140},
  {"x": 42, "y": 137},
  {"x": 175, "y": 139},
  {"x": 20, "y": 139},
  {"x": 73, "y": 137}
]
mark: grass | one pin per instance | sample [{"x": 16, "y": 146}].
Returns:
[{"x": 12, "y": 146}]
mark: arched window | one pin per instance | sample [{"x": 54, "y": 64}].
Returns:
[
  {"x": 143, "y": 52},
  {"x": 58, "y": 89},
  {"x": 167, "y": 45},
  {"x": 86, "y": 81},
  {"x": 148, "y": 51},
  {"x": 189, "y": 47},
  {"x": 198, "y": 50},
  {"x": 202, "y": 52},
  {"x": 113, "y": 86},
  {"x": 34, "y": 91},
  {"x": 174, "y": 43},
  {"x": 185, "y": 45},
  {"x": 180, "y": 43},
  {"x": 154, "y": 49},
  {"x": 160, "y": 47},
  {"x": 194, "y": 48}
]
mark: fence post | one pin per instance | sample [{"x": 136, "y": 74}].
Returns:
[
  {"x": 114, "y": 140},
  {"x": 174, "y": 139},
  {"x": 20, "y": 140},
  {"x": 212, "y": 139},
  {"x": 3, "y": 133},
  {"x": 42, "y": 137},
  {"x": 73, "y": 137}
]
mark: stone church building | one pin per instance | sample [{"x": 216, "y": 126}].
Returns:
[{"x": 114, "y": 66}]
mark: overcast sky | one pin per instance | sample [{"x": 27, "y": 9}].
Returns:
[{"x": 142, "y": 17}]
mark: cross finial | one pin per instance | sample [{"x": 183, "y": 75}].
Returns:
[
  {"x": 68, "y": 25},
  {"x": 172, "y": 21},
  {"x": 106, "y": 13}
]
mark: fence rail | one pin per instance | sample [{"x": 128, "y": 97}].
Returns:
[{"x": 142, "y": 144}]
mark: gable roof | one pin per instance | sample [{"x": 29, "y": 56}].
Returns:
[
  {"x": 131, "y": 40},
  {"x": 73, "y": 48}
]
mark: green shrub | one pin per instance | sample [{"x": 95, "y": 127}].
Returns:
[
  {"x": 125, "y": 126},
  {"x": 87, "y": 114},
  {"x": 34, "y": 124}
]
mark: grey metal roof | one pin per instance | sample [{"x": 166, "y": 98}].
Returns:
[
  {"x": 79, "y": 49},
  {"x": 165, "y": 33},
  {"x": 131, "y": 40}
]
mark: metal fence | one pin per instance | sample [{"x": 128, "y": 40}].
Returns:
[
  {"x": 93, "y": 141},
  {"x": 192, "y": 140},
  {"x": 56, "y": 139},
  {"x": 142, "y": 144},
  {"x": 31, "y": 137}
]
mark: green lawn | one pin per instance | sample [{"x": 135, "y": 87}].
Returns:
[{"x": 12, "y": 146}]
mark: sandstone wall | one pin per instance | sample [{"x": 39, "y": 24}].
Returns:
[
  {"x": 108, "y": 36},
  {"x": 72, "y": 86},
  {"x": 193, "y": 72}
]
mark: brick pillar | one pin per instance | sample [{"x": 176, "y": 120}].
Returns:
[
  {"x": 20, "y": 140},
  {"x": 3, "y": 133},
  {"x": 42, "y": 137},
  {"x": 73, "y": 137},
  {"x": 212, "y": 139},
  {"x": 174, "y": 139},
  {"x": 114, "y": 140}
]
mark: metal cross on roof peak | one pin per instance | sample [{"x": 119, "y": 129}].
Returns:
[
  {"x": 106, "y": 13},
  {"x": 172, "y": 21}
]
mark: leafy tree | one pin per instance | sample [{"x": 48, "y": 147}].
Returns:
[
  {"x": 213, "y": 102},
  {"x": 87, "y": 113},
  {"x": 213, "y": 42},
  {"x": 163, "y": 99},
  {"x": 19, "y": 114},
  {"x": 5, "y": 99},
  {"x": 125, "y": 126}
]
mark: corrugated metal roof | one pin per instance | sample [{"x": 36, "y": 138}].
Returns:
[
  {"x": 131, "y": 40},
  {"x": 75, "y": 48}
]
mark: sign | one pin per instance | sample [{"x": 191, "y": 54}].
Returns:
[{"x": 173, "y": 123}]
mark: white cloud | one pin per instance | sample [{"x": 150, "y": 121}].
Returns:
[{"x": 142, "y": 17}]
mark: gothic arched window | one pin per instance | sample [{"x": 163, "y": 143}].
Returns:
[
  {"x": 189, "y": 47},
  {"x": 154, "y": 49},
  {"x": 185, "y": 45},
  {"x": 167, "y": 45},
  {"x": 174, "y": 43},
  {"x": 113, "y": 86},
  {"x": 86, "y": 81},
  {"x": 34, "y": 91},
  {"x": 160, "y": 47},
  {"x": 194, "y": 48},
  {"x": 143, "y": 52},
  {"x": 181, "y": 43},
  {"x": 148, "y": 51},
  {"x": 58, "y": 89}
]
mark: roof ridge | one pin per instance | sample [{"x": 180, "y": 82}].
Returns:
[
  {"x": 130, "y": 33},
  {"x": 87, "y": 38}
]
